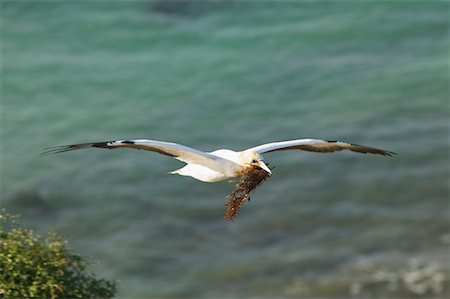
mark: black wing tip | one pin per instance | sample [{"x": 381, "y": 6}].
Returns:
[
  {"x": 56, "y": 150},
  {"x": 375, "y": 151},
  {"x": 389, "y": 153},
  {"x": 67, "y": 148},
  {"x": 378, "y": 151},
  {"x": 381, "y": 152}
]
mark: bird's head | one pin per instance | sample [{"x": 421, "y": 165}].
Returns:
[{"x": 253, "y": 159}]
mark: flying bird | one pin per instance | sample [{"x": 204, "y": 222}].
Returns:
[{"x": 223, "y": 164}]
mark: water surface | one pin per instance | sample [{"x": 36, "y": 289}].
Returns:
[{"x": 234, "y": 75}]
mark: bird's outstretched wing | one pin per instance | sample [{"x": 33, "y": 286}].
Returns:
[
  {"x": 318, "y": 145},
  {"x": 177, "y": 151}
]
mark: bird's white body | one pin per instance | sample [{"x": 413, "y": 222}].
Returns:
[
  {"x": 217, "y": 173},
  {"x": 225, "y": 164},
  {"x": 222, "y": 164}
]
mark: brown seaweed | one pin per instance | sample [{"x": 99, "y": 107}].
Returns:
[{"x": 250, "y": 179}]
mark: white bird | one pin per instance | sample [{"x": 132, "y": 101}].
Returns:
[{"x": 222, "y": 164}]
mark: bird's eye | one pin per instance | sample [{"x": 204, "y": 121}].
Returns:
[{"x": 254, "y": 161}]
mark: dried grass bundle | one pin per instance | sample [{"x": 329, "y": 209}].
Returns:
[{"x": 250, "y": 179}]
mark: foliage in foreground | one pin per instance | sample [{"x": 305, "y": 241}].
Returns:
[{"x": 32, "y": 266}]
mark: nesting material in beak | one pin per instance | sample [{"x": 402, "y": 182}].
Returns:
[{"x": 251, "y": 179}]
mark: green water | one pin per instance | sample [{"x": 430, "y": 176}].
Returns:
[{"x": 233, "y": 75}]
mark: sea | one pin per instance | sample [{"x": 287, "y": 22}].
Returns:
[{"x": 234, "y": 74}]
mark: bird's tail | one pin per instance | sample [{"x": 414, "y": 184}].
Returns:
[{"x": 176, "y": 171}]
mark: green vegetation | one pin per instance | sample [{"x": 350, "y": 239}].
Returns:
[{"x": 32, "y": 266}]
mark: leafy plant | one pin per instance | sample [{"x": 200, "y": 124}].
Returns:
[{"x": 32, "y": 266}]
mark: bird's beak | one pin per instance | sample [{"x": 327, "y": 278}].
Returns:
[{"x": 265, "y": 167}]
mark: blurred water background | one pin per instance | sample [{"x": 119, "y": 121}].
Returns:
[{"x": 234, "y": 74}]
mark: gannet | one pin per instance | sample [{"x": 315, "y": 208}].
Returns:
[{"x": 222, "y": 164}]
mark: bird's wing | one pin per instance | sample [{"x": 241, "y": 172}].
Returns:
[
  {"x": 318, "y": 145},
  {"x": 177, "y": 151}
]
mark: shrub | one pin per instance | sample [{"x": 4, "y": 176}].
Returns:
[{"x": 32, "y": 266}]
